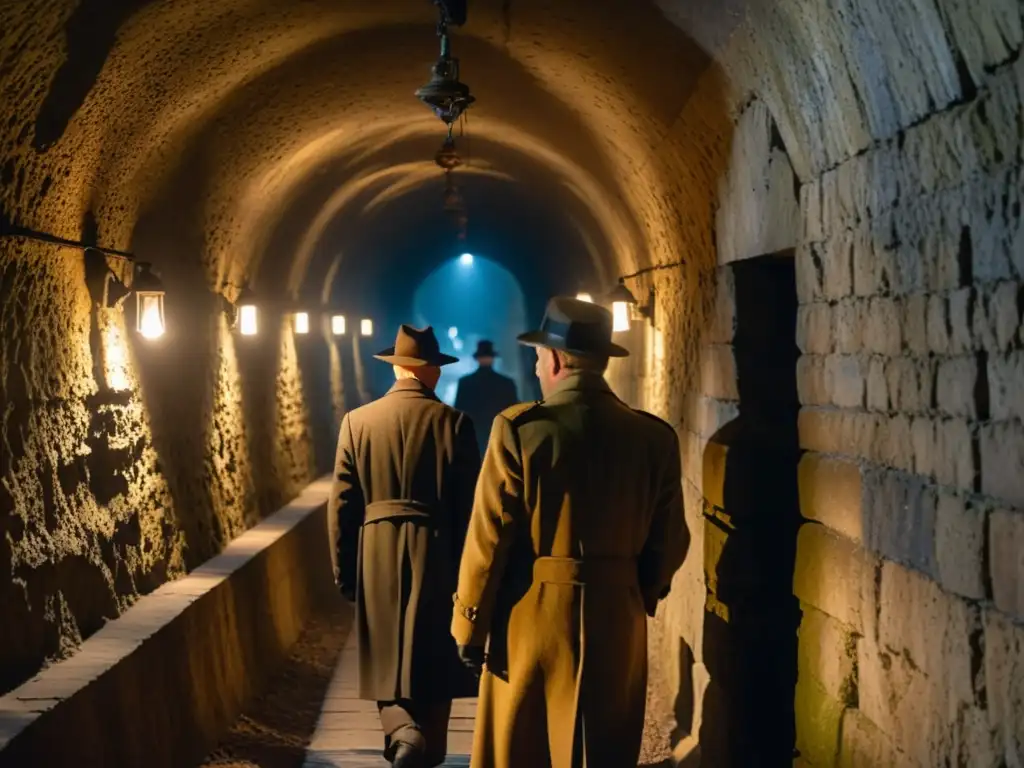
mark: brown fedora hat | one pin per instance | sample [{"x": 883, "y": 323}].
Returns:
[{"x": 415, "y": 347}]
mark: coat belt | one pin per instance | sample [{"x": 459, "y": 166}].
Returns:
[
  {"x": 606, "y": 571},
  {"x": 398, "y": 509}
]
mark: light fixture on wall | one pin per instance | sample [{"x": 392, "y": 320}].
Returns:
[
  {"x": 626, "y": 308},
  {"x": 366, "y": 327},
  {"x": 149, "y": 301},
  {"x": 583, "y": 296},
  {"x": 105, "y": 287},
  {"x": 301, "y": 323},
  {"x": 621, "y": 299},
  {"x": 145, "y": 284},
  {"x": 247, "y": 315},
  {"x": 338, "y": 325}
]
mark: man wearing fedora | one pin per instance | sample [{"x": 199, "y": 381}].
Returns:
[
  {"x": 576, "y": 532},
  {"x": 402, "y": 495},
  {"x": 485, "y": 393}
]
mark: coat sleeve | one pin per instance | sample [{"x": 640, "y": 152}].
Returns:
[
  {"x": 668, "y": 538},
  {"x": 347, "y": 507},
  {"x": 497, "y": 505},
  {"x": 466, "y": 469}
]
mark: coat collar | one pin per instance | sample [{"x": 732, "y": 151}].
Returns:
[
  {"x": 580, "y": 382},
  {"x": 412, "y": 387}
]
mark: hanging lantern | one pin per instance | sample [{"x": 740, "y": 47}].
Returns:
[
  {"x": 149, "y": 297},
  {"x": 444, "y": 94},
  {"x": 247, "y": 314},
  {"x": 302, "y": 323},
  {"x": 366, "y": 327},
  {"x": 621, "y": 299},
  {"x": 338, "y": 325}
]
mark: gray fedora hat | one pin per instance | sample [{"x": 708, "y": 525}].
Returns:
[
  {"x": 575, "y": 326},
  {"x": 415, "y": 347}
]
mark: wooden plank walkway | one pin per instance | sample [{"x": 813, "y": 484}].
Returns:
[{"x": 348, "y": 733}]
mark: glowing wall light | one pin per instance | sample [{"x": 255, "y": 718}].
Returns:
[
  {"x": 585, "y": 297},
  {"x": 453, "y": 332},
  {"x": 338, "y": 325},
  {"x": 366, "y": 327},
  {"x": 620, "y": 316},
  {"x": 302, "y": 322},
  {"x": 247, "y": 314},
  {"x": 466, "y": 259},
  {"x": 149, "y": 298},
  {"x": 621, "y": 299}
]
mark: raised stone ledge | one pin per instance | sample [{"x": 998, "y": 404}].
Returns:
[{"x": 158, "y": 686}]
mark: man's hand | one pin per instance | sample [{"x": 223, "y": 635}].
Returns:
[{"x": 472, "y": 656}]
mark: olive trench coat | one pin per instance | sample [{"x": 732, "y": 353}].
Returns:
[
  {"x": 576, "y": 531},
  {"x": 403, "y": 490}
]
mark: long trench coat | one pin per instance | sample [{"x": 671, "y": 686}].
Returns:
[
  {"x": 482, "y": 395},
  {"x": 403, "y": 490},
  {"x": 576, "y": 531}
]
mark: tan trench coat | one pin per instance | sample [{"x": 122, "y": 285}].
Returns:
[
  {"x": 576, "y": 531},
  {"x": 403, "y": 490}
]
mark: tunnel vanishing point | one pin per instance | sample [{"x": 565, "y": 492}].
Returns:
[{"x": 822, "y": 199}]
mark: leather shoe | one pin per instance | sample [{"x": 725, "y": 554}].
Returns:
[{"x": 407, "y": 756}]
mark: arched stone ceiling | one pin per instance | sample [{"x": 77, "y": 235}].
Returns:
[{"x": 223, "y": 116}]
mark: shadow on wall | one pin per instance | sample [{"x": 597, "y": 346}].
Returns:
[
  {"x": 90, "y": 32},
  {"x": 126, "y": 461},
  {"x": 191, "y": 384},
  {"x": 83, "y": 510},
  {"x": 751, "y": 522},
  {"x": 322, "y": 370}
]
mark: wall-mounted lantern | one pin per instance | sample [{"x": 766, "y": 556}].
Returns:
[
  {"x": 621, "y": 299},
  {"x": 366, "y": 327},
  {"x": 301, "y": 323},
  {"x": 247, "y": 313},
  {"x": 149, "y": 298},
  {"x": 625, "y": 307},
  {"x": 338, "y": 325}
]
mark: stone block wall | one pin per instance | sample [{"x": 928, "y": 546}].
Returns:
[
  {"x": 909, "y": 255},
  {"x": 910, "y": 276}
]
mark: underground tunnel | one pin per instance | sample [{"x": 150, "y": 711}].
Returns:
[{"x": 816, "y": 205}]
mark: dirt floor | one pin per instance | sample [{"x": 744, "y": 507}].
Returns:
[{"x": 276, "y": 727}]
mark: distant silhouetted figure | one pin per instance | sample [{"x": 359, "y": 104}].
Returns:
[
  {"x": 485, "y": 393},
  {"x": 403, "y": 490}
]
